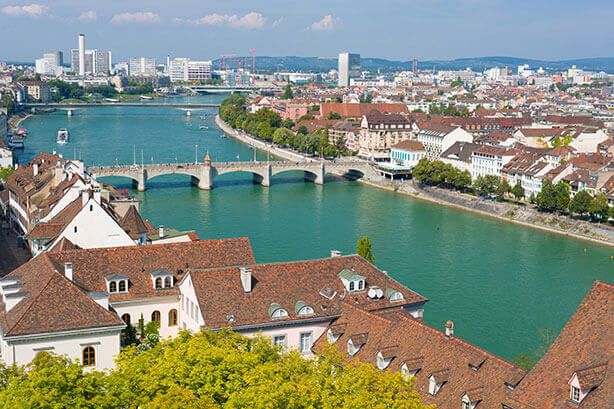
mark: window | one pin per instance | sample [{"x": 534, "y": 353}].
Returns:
[
  {"x": 172, "y": 318},
  {"x": 75, "y": 229},
  {"x": 89, "y": 356},
  {"x": 432, "y": 386},
  {"x": 91, "y": 208},
  {"x": 122, "y": 286},
  {"x": 351, "y": 286},
  {"x": 158, "y": 283},
  {"x": 381, "y": 362},
  {"x": 167, "y": 282},
  {"x": 126, "y": 318},
  {"x": 113, "y": 287},
  {"x": 575, "y": 394},
  {"x": 305, "y": 346},
  {"x": 467, "y": 405},
  {"x": 155, "y": 316},
  {"x": 279, "y": 340},
  {"x": 361, "y": 285},
  {"x": 396, "y": 296},
  {"x": 306, "y": 310}
]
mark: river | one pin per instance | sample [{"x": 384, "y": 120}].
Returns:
[{"x": 499, "y": 282}]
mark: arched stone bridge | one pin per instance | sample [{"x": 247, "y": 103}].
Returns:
[{"x": 203, "y": 174}]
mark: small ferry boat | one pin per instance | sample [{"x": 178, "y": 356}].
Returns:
[
  {"x": 22, "y": 133},
  {"x": 15, "y": 143},
  {"x": 62, "y": 136},
  {"x": 112, "y": 100},
  {"x": 146, "y": 97},
  {"x": 203, "y": 127}
]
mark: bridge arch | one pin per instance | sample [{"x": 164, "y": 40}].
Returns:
[{"x": 260, "y": 176}]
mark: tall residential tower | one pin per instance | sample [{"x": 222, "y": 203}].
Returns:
[{"x": 349, "y": 67}]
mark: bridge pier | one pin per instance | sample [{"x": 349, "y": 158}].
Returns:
[
  {"x": 317, "y": 176},
  {"x": 264, "y": 180},
  {"x": 205, "y": 179},
  {"x": 140, "y": 180}
]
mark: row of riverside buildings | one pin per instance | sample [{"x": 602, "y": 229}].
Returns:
[
  {"x": 98, "y": 265},
  {"x": 509, "y": 144}
]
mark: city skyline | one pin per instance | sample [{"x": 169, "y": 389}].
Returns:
[{"x": 425, "y": 31}]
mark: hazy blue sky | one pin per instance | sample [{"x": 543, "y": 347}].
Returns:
[{"x": 395, "y": 29}]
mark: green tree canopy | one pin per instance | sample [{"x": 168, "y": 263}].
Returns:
[
  {"x": 363, "y": 248},
  {"x": 518, "y": 191},
  {"x": 553, "y": 197},
  {"x": 486, "y": 185},
  {"x": 599, "y": 208},
  {"x": 8, "y": 103},
  {"x": 580, "y": 203},
  {"x": 288, "y": 92}
]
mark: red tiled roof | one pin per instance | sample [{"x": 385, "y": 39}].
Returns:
[
  {"x": 52, "y": 303},
  {"x": 431, "y": 352},
  {"x": 587, "y": 341},
  {"x": 220, "y": 292},
  {"x": 91, "y": 266},
  {"x": 357, "y": 110}
]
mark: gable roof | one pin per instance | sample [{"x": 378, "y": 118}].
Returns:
[
  {"x": 586, "y": 341},
  {"x": 51, "y": 303},
  {"x": 219, "y": 291},
  {"x": 357, "y": 110},
  {"x": 421, "y": 348},
  {"x": 91, "y": 266},
  {"x": 132, "y": 223}
]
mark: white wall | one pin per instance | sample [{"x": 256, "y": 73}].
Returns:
[
  {"x": 95, "y": 228},
  {"x": 189, "y": 313},
  {"x": 105, "y": 343},
  {"x": 292, "y": 332},
  {"x": 147, "y": 306}
]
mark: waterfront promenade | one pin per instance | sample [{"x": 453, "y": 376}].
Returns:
[{"x": 120, "y": 104}]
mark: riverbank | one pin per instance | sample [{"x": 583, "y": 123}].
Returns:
[{"x": 524, "y": 216}]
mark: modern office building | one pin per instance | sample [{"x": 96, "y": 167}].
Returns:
[
  {"x": 183, "y": 69},
  {"x": 95, "y": 62},
  {"x": 84, "y": 61},
  {"x": 50, "y": 64},
  {"x": 349, "y": 67},
  {"x": 141, "y": 66}
]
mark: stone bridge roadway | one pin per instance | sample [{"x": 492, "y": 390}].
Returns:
[{"x": 203, "y": 174}]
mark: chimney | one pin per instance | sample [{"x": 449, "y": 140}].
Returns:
[
  {"x": 85, "y": 196},
  {"x": 68, "y": 270},
  {"x": 97, "y": 195},
  {"x": 449, "y": 328},
  {"x": 161, "y": 231},
  {"x": 335, "y": 253},
  {"x": 35, "y": 169},
  {"x": 246, "y": 279}
]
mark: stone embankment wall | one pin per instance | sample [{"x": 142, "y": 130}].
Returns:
[{"x": 524, "y": 215}]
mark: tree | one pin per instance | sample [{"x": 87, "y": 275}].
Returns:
[
  {"x": 225, "y": 369},
  {"x": 50, "y": 381},
  {"x": 486, "y": 185},
  {"x": 306, "y": 117},
  {"x": 527, "y": 360},
  {"x": 580, "y": 203},
  {"x": 287, "y": 123},
  {"x": 363, "y": 248},
  {"x": 302, "y": 130},
  {"x": 287, "y": 92},
  {"x": 5, "y": 173},
  {"x": 283, "y": 136},
  {"x": 334, "y": 115},
  {"x": 553, "y": 197},
  {"x": 150, "y": 336},
  {"x": 599, "y": 208},
  {"x": 8, "y": 103},
  {"x": 503, "y": 188},
  {"x": 518, "y": 191}
]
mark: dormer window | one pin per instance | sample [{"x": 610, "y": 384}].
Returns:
[
  {"x": 352, "y": 281},
  {"x": 575, "y": 394},
  {"x": 355, "y": 343},
  {"x": 276, "y": 311},
  {"x": 394, "y": 295},
  {"x": 117, "y": 284},
  {"x": 162, "y": 279},
  {"x": 436, "y": 381},
  {"x": 433, "y": 386},
  {"x": 301, "y": 308}
]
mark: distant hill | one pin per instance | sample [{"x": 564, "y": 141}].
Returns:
[{"x": 325, "y": 64}]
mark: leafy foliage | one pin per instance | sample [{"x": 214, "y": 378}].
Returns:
[
  {"x": 288, "y": 92},
  {"x": 439, "y": 173},
  {"x": 518, "y": 191},
  {"x": 7, "y": 102},
  {"x": 599, "y": 208},
  {"x": 5, "y": 173},
  {"x": 580, "y": 203},
  {"x": 363, "y": 248},
  {"x": 553, "y": 197},
  {"x": 486, "y": 185}
]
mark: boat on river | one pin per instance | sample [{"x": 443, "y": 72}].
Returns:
[
  {"x": 15, "y": 143},
  {"x": 146, "y": 97},
  {"x": 22, "y": 133},
  {"x": 63, "y": 136}
]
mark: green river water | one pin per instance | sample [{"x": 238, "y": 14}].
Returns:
[{"x": 499, "y": 282}]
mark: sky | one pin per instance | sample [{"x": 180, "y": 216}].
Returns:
[{"x": 393, "y": 29}]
